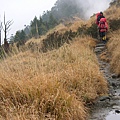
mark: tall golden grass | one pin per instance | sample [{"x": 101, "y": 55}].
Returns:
[
  {"x": 55, "y": 85},
  {"x": 59, "y": 84},
  {"x": 114, "y": 50},
  {"x": 112, "y": 12}
]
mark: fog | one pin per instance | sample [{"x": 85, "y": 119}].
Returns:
[
  {"x": 93, "y": 6},
  {"x": 23, "y": 11}
]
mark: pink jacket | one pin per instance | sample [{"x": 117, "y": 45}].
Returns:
[{"x": 103, "y": 26}]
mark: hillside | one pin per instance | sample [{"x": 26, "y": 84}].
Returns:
[
  {"x": 62, "y": 11},
  {"x": 57, "y": 76},
  {"x": 114, "y": 34}
]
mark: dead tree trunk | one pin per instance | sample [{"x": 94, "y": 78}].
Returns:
[{"x": 6, "y": 28}]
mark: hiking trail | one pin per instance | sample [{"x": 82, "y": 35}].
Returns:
[{"x": 107, "y": 107}]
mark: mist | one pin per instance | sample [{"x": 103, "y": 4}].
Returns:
[{"x": 93, "y": 6}]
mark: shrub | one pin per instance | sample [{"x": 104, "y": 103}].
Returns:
[
  {"x": 114, "y": 24},
  {"x": 92, "y": 30}
]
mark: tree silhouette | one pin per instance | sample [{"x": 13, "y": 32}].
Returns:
[{"x": 6, "y": 28}]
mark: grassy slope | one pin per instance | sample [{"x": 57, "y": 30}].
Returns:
[
  {"x": 114, "y": 42},
  {"x": 114, "y": 50},
  {"x": 57, "y": 84}
]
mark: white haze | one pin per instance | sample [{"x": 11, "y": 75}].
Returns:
[
  {"x": 23, "y": 11},
  {"x": 93, "y": 6}
]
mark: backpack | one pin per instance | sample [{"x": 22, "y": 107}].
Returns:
[
  {"x": 102, "y": 25},
  {"x": 98, "y": 14},
  {"x": 98, "y": 18}
]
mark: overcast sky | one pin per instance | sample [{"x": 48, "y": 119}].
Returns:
[
  {"x": 23, "y": 11},
  {"x": 94, "y": 6}
]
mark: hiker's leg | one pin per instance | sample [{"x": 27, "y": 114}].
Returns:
[
  {"x": 103, "y": 37},
  {"x": 100, "y": 33}
]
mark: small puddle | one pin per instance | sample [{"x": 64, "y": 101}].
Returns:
[{"x": 113, "y": 116}]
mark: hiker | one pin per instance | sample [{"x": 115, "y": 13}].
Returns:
[
  {"x": 103, "y": 28},
  {"x": 98, "y": 17}
]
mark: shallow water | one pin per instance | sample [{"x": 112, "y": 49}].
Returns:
[{"x": 113, "y": 116}]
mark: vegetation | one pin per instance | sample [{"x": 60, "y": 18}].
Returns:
[
  {"x": 114, "y": 31},
  {"x": 58, "y": 84},
  {"x": 6, "y": 27},
  {"x": 113, "y": 48},
  {"x": 52, "y": 85},
  {"x": 63, "y": 9},
  {"x": 114, "y": 24},
  {"x": 55, "y": 76}
]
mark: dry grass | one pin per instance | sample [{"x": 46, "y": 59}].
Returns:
[
  {"x": 76, "y": 24},
  {"x": 105, "y": 56},
  {"x": 59, "y": 84},
  {"x": 61, "y": 28},
  {"x": 112, "y": 13},
  {"x": 114, "y": 49},
  {"x": 55, "y": 85}
]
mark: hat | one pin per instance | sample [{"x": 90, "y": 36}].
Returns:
[{"x": 101, "y": 13}]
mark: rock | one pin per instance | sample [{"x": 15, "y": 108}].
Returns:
[
  {"x": 113, "y": 84},
  {"x": 116, "y": 97},
  {"x": 100, "y": 47},
  {"x": 97, "y": 50},
  {"x": 101, "y": 44},
  {"x": 103, "y": 98},
  {"x": 115, "y": 76},
  {"x": 117, "y": 111},
  {"x": 116, "y": 107}
]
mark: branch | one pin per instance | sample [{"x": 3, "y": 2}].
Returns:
[{"x": 8, "y": 24}]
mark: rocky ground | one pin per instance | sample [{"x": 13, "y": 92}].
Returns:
[{"x": 107, "y": 107}]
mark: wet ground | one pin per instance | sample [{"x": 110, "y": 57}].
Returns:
[{"x": 107, "y": 107}]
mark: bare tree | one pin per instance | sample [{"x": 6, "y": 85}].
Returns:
[{"x": 6, "y": 28}]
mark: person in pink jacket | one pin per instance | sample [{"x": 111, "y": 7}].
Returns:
[
  {"x": 103, "y": 28},
  {"x": 98, "y": 17}
]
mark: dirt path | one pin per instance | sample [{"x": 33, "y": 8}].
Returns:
[{"x": 107, "y": 107}]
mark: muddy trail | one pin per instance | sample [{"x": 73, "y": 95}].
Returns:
[{"x": 107, "y": 107}]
